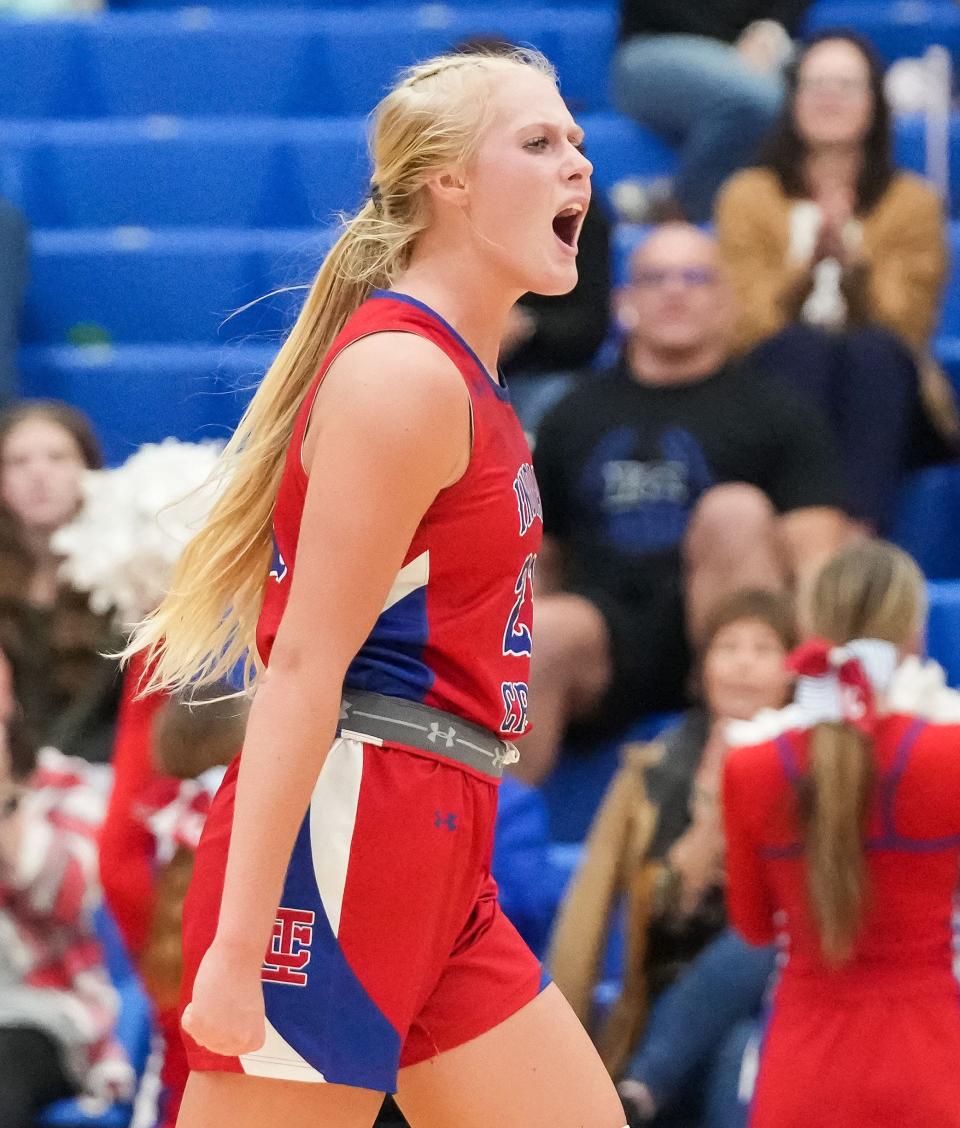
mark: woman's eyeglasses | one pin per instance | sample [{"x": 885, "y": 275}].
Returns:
[{"x": 848, "y": 86}]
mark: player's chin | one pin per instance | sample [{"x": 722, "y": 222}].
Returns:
[{"x": 554, "y": 280}]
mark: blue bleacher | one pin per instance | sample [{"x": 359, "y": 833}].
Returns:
[
  {"x": 162, "y": 171},
  {"x": 928, "y": 519},
  {"x": 143, "y": 393},
  {"x": 897, "y": 28},
  {"x": 284, "y": 62},
  {"x": 167, "y": 285},
  {"x": 943, "y": 626}
]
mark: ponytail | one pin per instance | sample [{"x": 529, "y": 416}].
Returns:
[
  {"x": 834, "y": 802},
  {"x": 207, "y": 622}
]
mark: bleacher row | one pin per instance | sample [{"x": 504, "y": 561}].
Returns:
[{"x": 178, "y": 163}]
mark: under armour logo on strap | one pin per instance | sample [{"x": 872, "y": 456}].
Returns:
[
  {"x": 435, "y": 734},
  {"x": 449, "y": 820}
]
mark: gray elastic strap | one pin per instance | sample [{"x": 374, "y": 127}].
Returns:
[{"x": 393, "y": 720}]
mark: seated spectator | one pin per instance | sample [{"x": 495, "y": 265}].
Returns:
[
  {"x": 838, "y": 261},
  {"x": 657, "y": 843},
  {"x": 676, "y": 479},
  {"x": 706, "y": 77},
  {"x": 57, "y": 1006},
  {"x": 14, "y": 241},
  {"x": 69, "y": 692}
]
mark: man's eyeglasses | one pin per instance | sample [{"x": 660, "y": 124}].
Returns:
[{"x": 692, "y": 276}]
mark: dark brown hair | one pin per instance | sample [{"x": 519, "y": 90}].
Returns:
[
  {"x": 21, "y": 746},
  {"x": 785, "y": 150},
  {"x": 770, "y": 607},
  {"x": 74, "y": 422}
]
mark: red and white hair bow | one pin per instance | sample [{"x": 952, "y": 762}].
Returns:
[{"x": 841, "y": 683}]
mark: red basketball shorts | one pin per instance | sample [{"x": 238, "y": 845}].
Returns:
[{"x": 389, "y": 946}]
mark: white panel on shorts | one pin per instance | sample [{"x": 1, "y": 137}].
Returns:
[
  {"x": 278, "y": 1059},
  {"x": 410, "y": 578},
  {"x": 333, "y": 815}
]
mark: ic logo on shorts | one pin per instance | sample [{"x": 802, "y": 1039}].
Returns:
[{"x": 289, "y": 950}]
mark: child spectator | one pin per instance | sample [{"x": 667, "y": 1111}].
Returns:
[{"x": 656, "y": 842}]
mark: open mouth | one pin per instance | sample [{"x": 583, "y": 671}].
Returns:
[{"x": 566, "y": 225}]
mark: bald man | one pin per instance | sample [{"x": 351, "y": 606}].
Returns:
[{"x": 674, "y": 480}]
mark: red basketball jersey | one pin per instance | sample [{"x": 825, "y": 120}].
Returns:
[{"x": 455, "y": 631}]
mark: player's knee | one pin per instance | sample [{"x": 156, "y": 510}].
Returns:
[{"x": 729, "y": 522}]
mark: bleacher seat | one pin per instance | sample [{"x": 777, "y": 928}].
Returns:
[
  {"x": 909, "y": 150},
  {"x": 928, "y": 520},
  {"x": 619, "y": 149},
  {"x": 943, "y": 626},
  {"x": 159, "y": 171},
  {"x": 169, "y": 285},
  {"x": 139, "y": 393},
  {"x": 401, "y": 5},
  {"x": 285, "y": 62},
  {"x": 898, "y": 28}
]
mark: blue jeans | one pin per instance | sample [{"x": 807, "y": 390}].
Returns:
[
  {"x": 14, "y": 239},
  {"x": 865, "y": 382},
  {"x": 695, "y": 1038},
  {"x": 697, "y": 94}
]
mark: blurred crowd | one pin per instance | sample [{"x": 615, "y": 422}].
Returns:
[{"x": 770, "y": 384}]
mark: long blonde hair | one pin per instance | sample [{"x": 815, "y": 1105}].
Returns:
[
  {"x": 871, "y": 590},
  {"x": 432, "y": 119}
]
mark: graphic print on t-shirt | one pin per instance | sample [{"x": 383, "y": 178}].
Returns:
[{"x": 645, "y": 503}]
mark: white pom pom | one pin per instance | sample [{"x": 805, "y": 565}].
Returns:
[{"x": 134, "y": 523}]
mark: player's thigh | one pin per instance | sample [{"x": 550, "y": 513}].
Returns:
[
  {"x": 537, "y": 1069},
  {"x": 236, "y": 1100}
]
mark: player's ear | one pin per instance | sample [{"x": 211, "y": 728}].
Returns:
[{"x": 448, "y": 186}]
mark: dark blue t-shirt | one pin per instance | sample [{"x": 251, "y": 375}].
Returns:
[{"x": 622, "y": 465}]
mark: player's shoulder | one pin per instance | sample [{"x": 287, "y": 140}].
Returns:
[
  {"x": 390, "y": 351},
  {"x": 392, "y": 370}
]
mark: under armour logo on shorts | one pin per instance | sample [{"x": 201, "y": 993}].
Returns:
[
  {"x": 449, "y": 820},
  {"x": 289, "y": 951}
]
